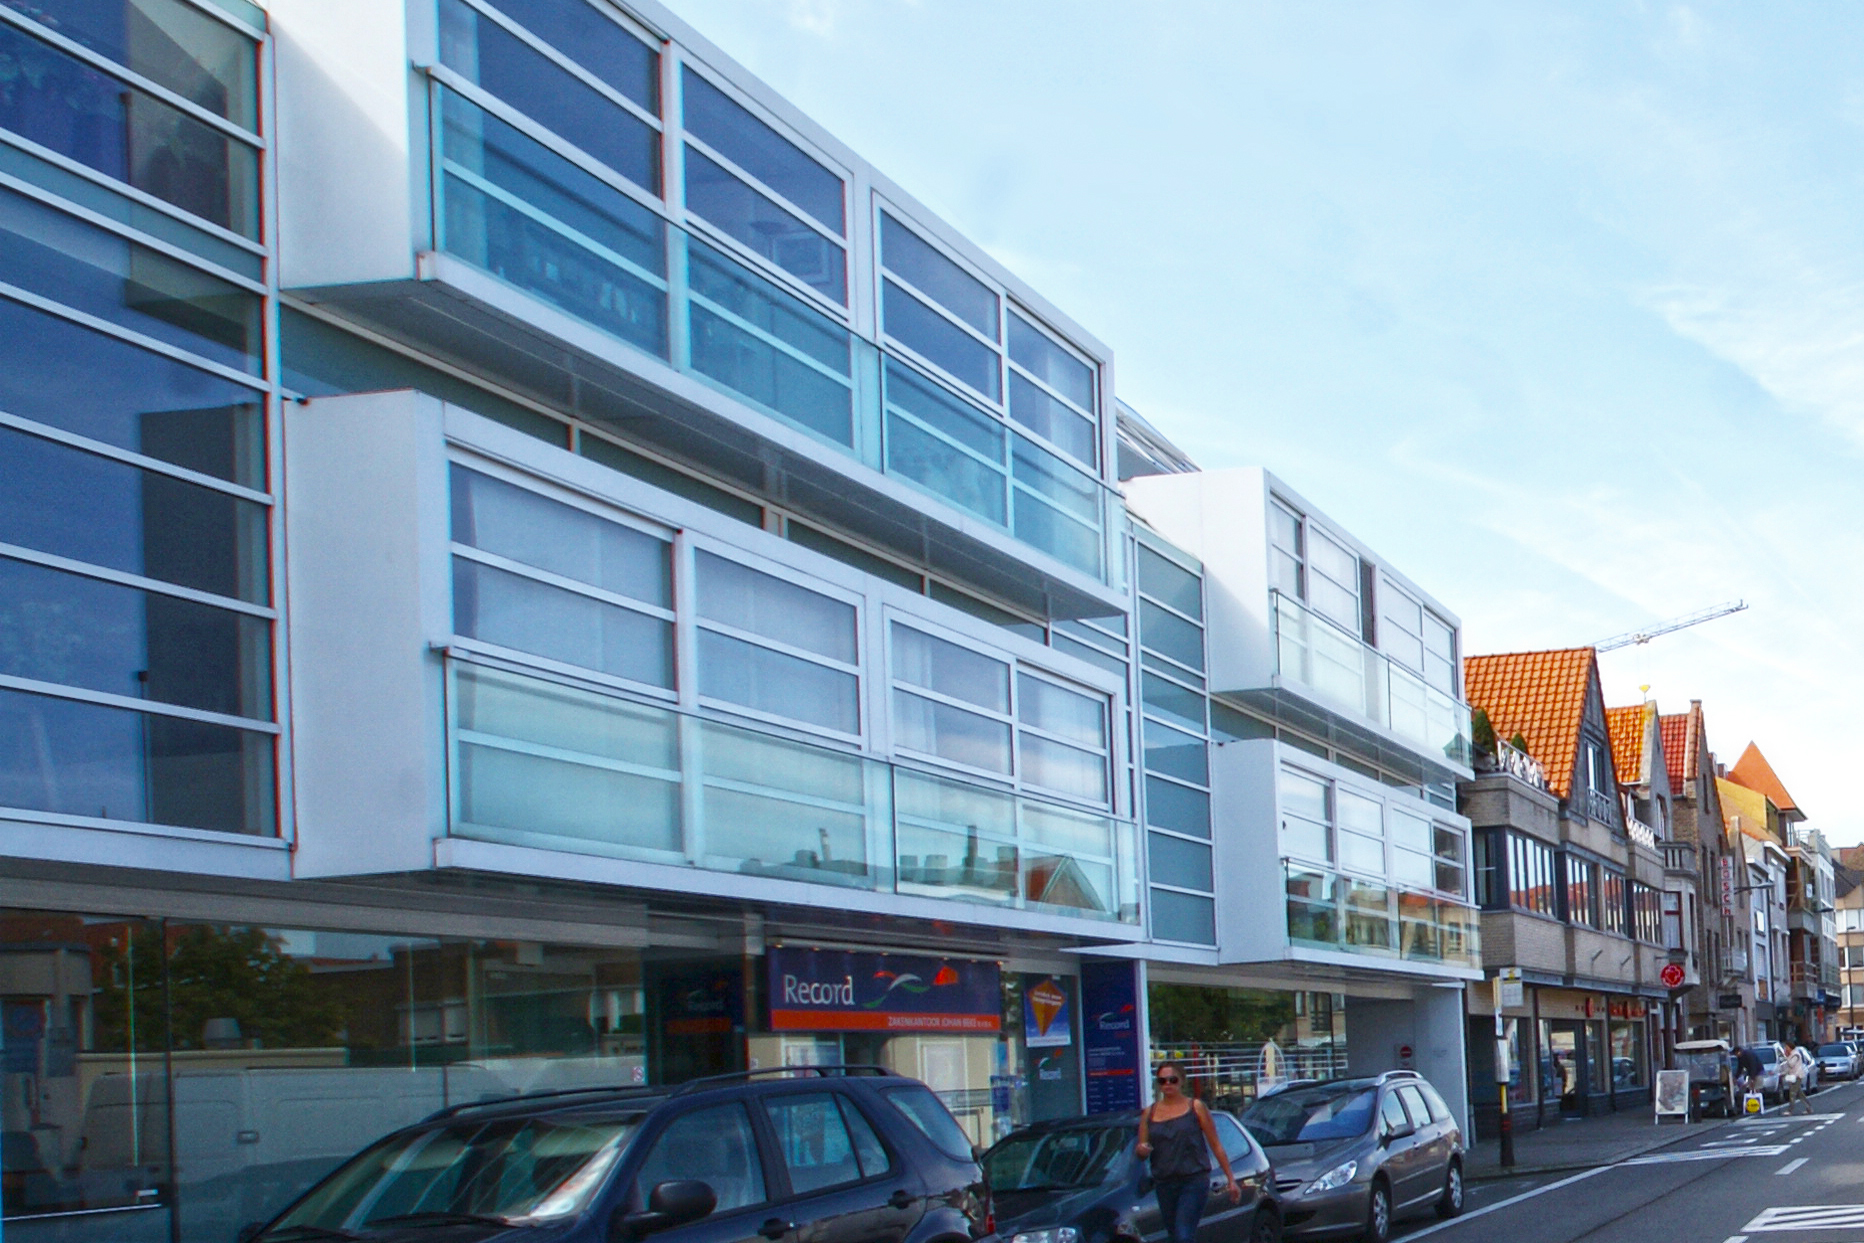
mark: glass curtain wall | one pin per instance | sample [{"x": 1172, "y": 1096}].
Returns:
[
  {"x": 1175, "y": 732},
  {"x": 136, "y": 613}
]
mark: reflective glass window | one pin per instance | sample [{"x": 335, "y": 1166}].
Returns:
[
  {"x": 496, "y": 60},
  {"x": 1333, "y": 584},
  {"x": 83, "y": 759},
  {"x": 1361, "y": 840},
  {"x": 95, "y": 118},
  {"x": 1401, "y": 635},
  {"x": 777, "y": 683},
  {"x": 1177, "y": 807},
  {"x": 729, "y": 129},
  {"x": 812, "y": 1136},
  {"x": 1046, "y": 360},
  {"x": 1053, "y": 420},
  {"x": 749, "y": 600},
  {"x": 74, "y": 504},
  {"x": 766, "y": 228},
  {"x": 1305, "y": 806},
  {"x": 950, "y": 732},
  {"x": 1175, "y": 753},
  {"x": 1439, "y": 654},
  {"x": 935, "y": 339},
  {"x": 108, "y": 276},
  {"x": 1285, "y": 552},
  {"x": 171, "y": 42},
  {"x": 596, "y": 42},
  {"x": 1057, "y": 508},
  {"x": 918, "y": 408},
  {"x": 920, "y": 659},
  {"x": 1170, "y": 583},
  {"x": 1069, "y": 715},
  {"x": 922, "y": 265},
  {"x": 770, "y": 346},
  {"x": 514, "y": 611},
  {"x": 501, "y": 518},
  {"x": 598, "y": 254},
  {"x": 715, "y": 1146},
  {"x": 1166, "y": 698},
  {"x": 80, "y": 631},
  {"x": 1183, "y": 917},
  {"x": 1178, "y": 862},
  {"x": 84, "y": 381},
  {"x": 1170, "y": 635}
]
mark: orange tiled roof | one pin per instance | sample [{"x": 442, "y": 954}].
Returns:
[
  {"x": 1625, "y": 727},
  {"x": 1678, "y": 750},
  {"x": 1539, "y": 695},
  {"x": 1753, "y": 771}
]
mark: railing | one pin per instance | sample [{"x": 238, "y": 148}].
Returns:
[
  {"x": 506, "y": 204},
  {"x": 1339, "y": 669},
  {"x": 542, "y": 764},
  {"x": 1641, "y": 834},
  {"x": 1679, "y": 856},
  {"x": 1231, "y": 1074},
  {"x": 1520, "y": 765},
  {"x": 1327, "y": 910},
  {"x": 1599, "y": 806}
]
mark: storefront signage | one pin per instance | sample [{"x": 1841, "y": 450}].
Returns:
[
  {"x": 1110, "y": 1035},
  {"x": 1046, "y": 1021},
  {"x": 1728, "y": 1001},
  {"x": 840, "y": 991},
  {"x": 1672, "y": 975},
  {"x": 1728, "y": 884}
]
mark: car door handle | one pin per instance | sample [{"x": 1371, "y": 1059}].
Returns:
[
  {"x": 776, "y": 1228},
  {"x": 901, "y": 1199}
]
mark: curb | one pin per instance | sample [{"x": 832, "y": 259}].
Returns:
[{"x": 1496, "y": 1173}]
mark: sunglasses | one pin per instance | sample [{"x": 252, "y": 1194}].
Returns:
[{"x": 1169, "y": 1079}]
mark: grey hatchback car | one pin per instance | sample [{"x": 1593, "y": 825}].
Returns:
[{"x": 1352, "y": 1156}]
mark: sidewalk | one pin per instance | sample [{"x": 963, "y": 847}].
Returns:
[{"x": 1598, "y": 1140}]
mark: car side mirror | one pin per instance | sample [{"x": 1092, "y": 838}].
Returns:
[{"x": 669, "y": 1204}]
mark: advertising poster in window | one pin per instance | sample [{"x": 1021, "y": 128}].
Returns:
[
  {"x": 836, "y": 990},
  {"x": 1046, "y": 1021},
  {"x": 1110, "y": 1035}
]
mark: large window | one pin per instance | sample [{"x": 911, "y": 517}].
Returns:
[
  {"x": 152, "y": 93},
  {"x": 1533, "y": 881},
  {"x": 776, "y": 648},
  {"x": 1582, "y": 890},
  {"x": 1647, "y": 913},
  {"x": 1175, "y": 727},
  {"x": 1614, "y": 902}
]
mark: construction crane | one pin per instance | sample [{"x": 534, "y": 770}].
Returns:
[{"x": 1641, "y": 637}]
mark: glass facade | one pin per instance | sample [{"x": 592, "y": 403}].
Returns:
[{"x": 136, "y": 603}]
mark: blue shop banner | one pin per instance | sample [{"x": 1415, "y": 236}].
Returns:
[
  {"x": 1110, "y": 1035},
  {"x": 839, "y": 990}
]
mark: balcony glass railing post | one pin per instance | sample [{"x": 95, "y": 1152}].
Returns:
[
  {"x": 537, "y": 762},
  {"x": 507, "y": 203},
  {"x": 1355, "y": 677}
]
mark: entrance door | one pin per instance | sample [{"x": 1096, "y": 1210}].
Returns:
[{"x": 1565, "y": 1065}]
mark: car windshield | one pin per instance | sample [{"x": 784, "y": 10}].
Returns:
[
  {"x": 1311, "y": 1115},
  {"x": 504, "y": 1171},
  {"x": 1055, "y": 1160},
  {"x": 1834, "y": 1050}
]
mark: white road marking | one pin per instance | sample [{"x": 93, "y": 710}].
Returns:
[
  {"x": 1808, "y": 1217},
  {"x": 1511, "y": 1200},
  {"x": 1735, "y": 1238},
  {"x": 1792, "y": 1165},
  {"x": 1699, "y": 1154}
]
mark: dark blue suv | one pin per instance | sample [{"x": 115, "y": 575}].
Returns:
[{"x": 793, "y": 1155}]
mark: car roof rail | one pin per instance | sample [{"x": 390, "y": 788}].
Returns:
[
  {"x": 837, "y": 1069},
  {"x": 1390, "y": 1075},
  {"x": 619, "y": 1092}
]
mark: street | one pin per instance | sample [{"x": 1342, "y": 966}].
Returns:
[{"x": 1797, "y": 1180}]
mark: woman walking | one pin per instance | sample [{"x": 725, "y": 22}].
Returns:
[{"x": 1176, "y": 1133}]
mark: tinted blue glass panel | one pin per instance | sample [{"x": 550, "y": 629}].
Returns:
[
  {"x": 1178, "y": 808},
  {"x": 729, "y": 129},
  {"x": 1175, "y": 754},
  {"x": 717, "y": 196},
  {"x": 522, "y": 613},
  {"x": 1183, "y": 917},
  {"x": 80, "y": 759},
  {"x": 1031, "y": 349},
  {"x": 1053, "y": 420},
  {"x": 930, "y": 272},
  {"x": 915, "y": 454},
  {"x": 491, "y": 56},
  {"x": 751, "y": 363},
  {"x": 1170, "y": 583},
  {"x": 517, "y": 523},
  {"x": 59, "y": 627},
  {"x": 935, "y": 339},
  {"x": 593, "y": 41},
  {"x": 76, "y": 378},
  {"x": 1178, "y": 862},
  {"x": 60, "y": 102},
  {"x": 1046, "y": 523},
  {"x": 78, "y": 505},
  {"x": 1055, "y": 481},
  {"x": 937, "y": 408},
  {"x": 777, "y": 683},
  {"x": 168, "y": 41},
  {"x": 1170, "y": 635},
  {"x": 95, "y": 271}
]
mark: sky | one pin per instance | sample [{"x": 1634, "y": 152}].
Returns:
[{"x": 1558, "y": 307}]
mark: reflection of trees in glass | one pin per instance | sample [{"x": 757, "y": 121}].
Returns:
[
  {"x": 214, "y": 973},
  {"x": 1182, "y": 1012}
]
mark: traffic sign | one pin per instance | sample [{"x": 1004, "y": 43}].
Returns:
[{"x": 1672, "y": 975}]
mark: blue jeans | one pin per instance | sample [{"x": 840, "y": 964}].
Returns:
[{"x": 1181, "y": 1205}]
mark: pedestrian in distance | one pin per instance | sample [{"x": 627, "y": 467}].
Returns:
[
  {"x": 1793, "y": 1080},
  {"x": 1748, "y": 1072},
  {"x": 1178, "y": 1137}
]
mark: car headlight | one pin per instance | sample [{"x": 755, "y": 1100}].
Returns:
[
  {"x": 1335, "y": 1178},
  {"x": 1054, "y": 1234}
]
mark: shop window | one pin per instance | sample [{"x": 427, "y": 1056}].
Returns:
[{"x": 715, "y": 1146}]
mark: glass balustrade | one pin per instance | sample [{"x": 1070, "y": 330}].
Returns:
[
  {"x": 1331, "y": 911},
  {"x": 539, "y": 763},
  {"x": 509, "y": 204},
  {"x": 1340, "y": 670}
]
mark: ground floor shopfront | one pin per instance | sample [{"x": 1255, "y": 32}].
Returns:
[
  {"x": 1572, "y": 1053},
  {"x": 178, "y": 1065}
]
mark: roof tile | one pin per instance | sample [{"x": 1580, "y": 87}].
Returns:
[
  {"x": 1539, "y": 695},
  {"x": 1753, "y": 771},
  {"x": 1625, "y": 727}
]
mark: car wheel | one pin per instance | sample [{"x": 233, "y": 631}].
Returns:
[
  {"x": 1379, "y": 1215},
  {"x": 1267, "y": 1227},
  {"x": 1450, "y": 1204}
]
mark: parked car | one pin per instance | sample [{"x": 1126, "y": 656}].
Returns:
[
  {"x": 1839, "y": 1060},
  {"x": 1812, "y": 1069},
  {"x": 828, "y": 1154},
  {"x": 1711, "y": 1077},
  {"x": 1078, "y": 1180},
  {"x": 1352, "y": 1156},
  {"x": 1771, "y": 1054}
]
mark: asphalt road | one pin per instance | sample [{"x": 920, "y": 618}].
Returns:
[{"x": 1769, "y": 1180}]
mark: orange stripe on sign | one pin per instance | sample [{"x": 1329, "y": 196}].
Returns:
[{"x": 870, "y": 1021}]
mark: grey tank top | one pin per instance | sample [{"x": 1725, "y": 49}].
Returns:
[{"x": 1178, "y": 1148}]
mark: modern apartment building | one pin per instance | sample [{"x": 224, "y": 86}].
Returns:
[
  {"x": 524, "y": 562},
  {"x": 1576, "y": 891}
]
